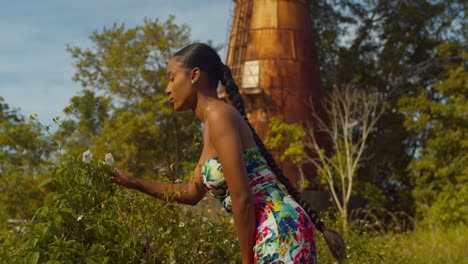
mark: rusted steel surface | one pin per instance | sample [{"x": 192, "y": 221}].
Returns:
[{"x": 276, "y": 36}]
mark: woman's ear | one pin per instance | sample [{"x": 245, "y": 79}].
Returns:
[{"x": 195, "y": 74}]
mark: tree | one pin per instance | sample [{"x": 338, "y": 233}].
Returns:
[
  {"x": 23, "y": 154},
  {"x": 352, "y": 115},
  {"x": 437, "y": 113},
  {"x": 285, "y": 141},
  {"x": 123, "y": 108},
  {"x": 388, "y": 46},
  {"x": 85, "y": 117}
]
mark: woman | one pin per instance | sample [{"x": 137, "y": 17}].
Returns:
[{"x": 234, "y": 166}]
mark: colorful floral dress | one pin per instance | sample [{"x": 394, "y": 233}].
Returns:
[{"x": 284, "y": 230}]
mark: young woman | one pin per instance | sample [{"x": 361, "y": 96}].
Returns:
[{"x": 235, "y": 167}]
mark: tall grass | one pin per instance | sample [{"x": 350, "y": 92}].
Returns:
[{"x": 431, "y": 245}]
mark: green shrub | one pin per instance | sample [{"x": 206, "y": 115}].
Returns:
[{"x": 87, "y": 219}]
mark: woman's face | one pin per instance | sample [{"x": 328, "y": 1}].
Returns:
[{"x": 180, "y": 90}]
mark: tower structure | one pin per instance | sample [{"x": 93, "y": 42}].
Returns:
[{"x": 272, "y": 59}]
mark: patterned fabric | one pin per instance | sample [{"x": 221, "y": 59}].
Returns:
[{"x": 284, "y": 232}]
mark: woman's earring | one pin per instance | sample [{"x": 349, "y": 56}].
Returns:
[{"x": 193, "y": 81}]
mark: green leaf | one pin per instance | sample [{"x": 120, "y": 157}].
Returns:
[
  {"x": 32, "y": 258},
  {"x": 45, "y": 181}
]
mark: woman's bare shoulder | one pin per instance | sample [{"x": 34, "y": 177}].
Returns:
[{"x": 223, "y": 112}]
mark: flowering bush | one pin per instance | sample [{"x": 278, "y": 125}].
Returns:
[{"x": 87, "y": 219}]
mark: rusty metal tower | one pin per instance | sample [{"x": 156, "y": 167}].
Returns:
[{"x": 272, "y": 58}]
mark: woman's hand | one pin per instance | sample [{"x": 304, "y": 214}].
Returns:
[
  {"x": 187, "y": 193},
  {"x": 121, "y": 178}
]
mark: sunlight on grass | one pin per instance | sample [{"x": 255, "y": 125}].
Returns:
[
  {"x": 436, "y": 245},
  {"x": 420, "y": 246}
]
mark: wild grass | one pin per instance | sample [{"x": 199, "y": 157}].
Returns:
[{"x": 429, "y": 245}]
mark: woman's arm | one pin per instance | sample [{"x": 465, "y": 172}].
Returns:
[
  {"x": 223, "y": 127},
  {"x": 187, "y": 193}
]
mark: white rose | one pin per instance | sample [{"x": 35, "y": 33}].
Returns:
[
  {"x": 87, "y": 156},
  {"x": 109, "y": 159}
]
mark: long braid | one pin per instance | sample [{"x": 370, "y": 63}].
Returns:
[
  {"x": 203, "y": 56},
  {"x": 333, "y": 239}
]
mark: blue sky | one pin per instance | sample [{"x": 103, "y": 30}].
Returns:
[{"x": 36, "y": 69}]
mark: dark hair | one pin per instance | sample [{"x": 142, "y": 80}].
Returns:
[{"x": 203, "y": 56}]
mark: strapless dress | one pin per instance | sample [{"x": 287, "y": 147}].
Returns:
[{"x": 284, "y": 231}]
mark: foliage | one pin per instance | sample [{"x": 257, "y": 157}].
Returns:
[
  {"x": 429, "y": 245},
  {"x": 438, "y": 114},
  {"x": 388, "y": 46},
  {"x": 86, "y": 116},
  {"x": 123, "y": 107},
  {"x": 351, "y": 117},
  {"x": 88, "y": 219},
  {"x": 411, "y": 52},
  {"x": 285, "y": 140},
  {"x": 380, "y": 221},
  {"x": 23, "y": 152}
]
